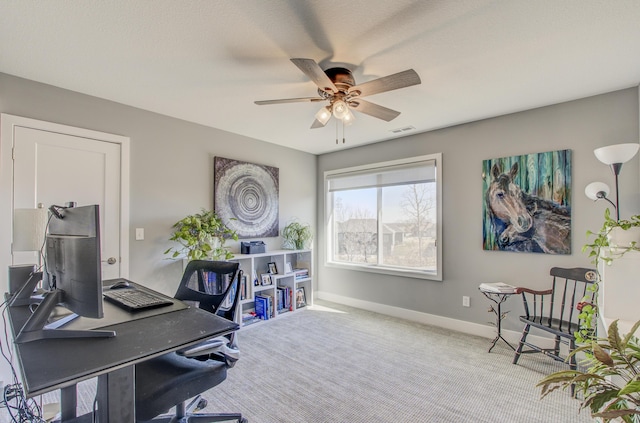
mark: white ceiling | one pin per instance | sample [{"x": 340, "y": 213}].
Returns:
[{"x": 207, "y": 61}]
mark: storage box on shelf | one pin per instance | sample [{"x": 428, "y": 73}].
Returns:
[{"x": 268, "y": 296}]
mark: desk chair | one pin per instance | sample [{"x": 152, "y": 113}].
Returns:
[
  {"x": 172, "y": 379},
  {"x": 555, "y": 311}
]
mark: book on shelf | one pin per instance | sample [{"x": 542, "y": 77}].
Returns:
[
  {"x": 264, "y": 306},
  {"x": 285, "y": 294},
  {"x": 498, "y": 287},
  {"x": 249, "y": 318},
  {"x": 261, "y": 307},
  {"x": 244, "y": 288},
  {"x": 300, "y": 274}
]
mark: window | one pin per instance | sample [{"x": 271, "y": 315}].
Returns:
[{"x": 386, "y": 217}]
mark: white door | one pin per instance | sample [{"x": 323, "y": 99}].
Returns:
[
  {"x": 55, "y": 164},
  {"x": 48, "y": 163},
  {"x": 53, "y": 168}
]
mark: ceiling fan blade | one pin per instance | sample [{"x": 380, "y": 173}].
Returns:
[
  {"x": 316, "y": 74},
  {"x": 387, "y": 83},
  {"x": 374, "y": 110},
  {"x": 289, "y": 100},
  {"x": 317, "y": 124}
]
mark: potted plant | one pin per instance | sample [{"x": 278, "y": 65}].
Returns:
[
  {"x": 201, "y": 237},
  {"x": 611, "y": 384},
  {"x": 296, "y": 235}
]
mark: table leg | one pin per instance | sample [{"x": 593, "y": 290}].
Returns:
[
  {"x": 498, "y": 311},
  {"x": 116, "y": 396},
  {"x": 68, "y": 403}
]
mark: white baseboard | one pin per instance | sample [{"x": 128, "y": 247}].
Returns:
[{"x": 463, "y": 326}]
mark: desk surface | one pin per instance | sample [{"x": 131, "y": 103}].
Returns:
[{"x": 57, "y": 363}]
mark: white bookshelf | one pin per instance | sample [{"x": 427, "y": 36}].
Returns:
[{"x": 256, "y": 265}]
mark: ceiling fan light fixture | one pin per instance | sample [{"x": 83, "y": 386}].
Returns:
[
  {"x": 323, "y": 115},
  {"x": 348, "y": 118},
  {"x": 340, "y": 109}
]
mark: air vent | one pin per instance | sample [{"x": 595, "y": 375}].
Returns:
[{"x": 401, "y": 130}]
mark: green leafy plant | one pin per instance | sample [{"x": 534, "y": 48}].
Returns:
[
  {"x": 601, "y": 251},
  {"x": 610, "y": 386},
  {"x": 201, "y": 236},
  {"x": 296, "y": 235},
  {"x": 599, "y": 248}
]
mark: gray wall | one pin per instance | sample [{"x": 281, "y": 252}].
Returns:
[
  {"x": 580, "y": 125},
  {"x": 171, "y": 167},
  {"x": 171, "y": 176}
]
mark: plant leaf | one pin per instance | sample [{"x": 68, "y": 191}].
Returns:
[
  {"x": 631, "y": 332},
  {"x": 612, "y": 414},
  {"x": 601, "y": 355},
  {"x": 599, "y": 400},
  {"x": 614, "y": 337},
  {"x": 631, "y": 387}
]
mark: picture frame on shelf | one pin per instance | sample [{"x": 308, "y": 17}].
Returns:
[
  {"x": 301, "y": 298},
  {"x": 288, "y": 268},
  {"x": 272, "y": 268},
  {"x": 266, "y": 279}
]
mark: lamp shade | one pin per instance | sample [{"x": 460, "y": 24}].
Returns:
[
  {"x": 348, "y": 118},
  {"x": 323, "y": 115},
  {"x": 29, "y": 227},
  {"x": 618, "y": 153},
  {"x": 340, "y": 109},
  {"x": 597, "y": 190}
]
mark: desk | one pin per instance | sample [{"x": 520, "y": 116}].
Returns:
[
  {"x": 47, "y": 365},
  {"x": 497, "y": 298}
]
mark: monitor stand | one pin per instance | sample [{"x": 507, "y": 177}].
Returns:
[{"x": 36, "y": 327}]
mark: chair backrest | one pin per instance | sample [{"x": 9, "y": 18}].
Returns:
[
  {"x": 569, "y": 288},
  {"x": 213, "y": 285}
]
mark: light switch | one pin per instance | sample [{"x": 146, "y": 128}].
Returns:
[{"x": 139, "y": 234}]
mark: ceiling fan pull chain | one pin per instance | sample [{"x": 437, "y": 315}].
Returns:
[
  {"x": 336, "y": 132},
  {"x": 343, "y": 131}
]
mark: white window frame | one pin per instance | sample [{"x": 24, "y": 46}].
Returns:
[{"x": 388, "y": 270}]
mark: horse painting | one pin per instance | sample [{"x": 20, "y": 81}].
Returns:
[{"x": 524, "y": 222}]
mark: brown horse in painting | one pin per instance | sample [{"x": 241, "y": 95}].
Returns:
[{"x": 523, "y": 222}]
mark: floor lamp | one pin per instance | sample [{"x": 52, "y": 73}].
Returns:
[{"x": 614, "y": 156}]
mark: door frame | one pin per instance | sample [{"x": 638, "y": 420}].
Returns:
[{"x": 8, "y": 123}]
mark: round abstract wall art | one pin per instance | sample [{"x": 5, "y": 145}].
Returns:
[{"x": 246, "y": 197}]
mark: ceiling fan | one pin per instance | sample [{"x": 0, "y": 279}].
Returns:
[{"x": 338, "y": 87}]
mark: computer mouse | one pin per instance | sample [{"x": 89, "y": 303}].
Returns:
[{"x": 120, "y": 284}]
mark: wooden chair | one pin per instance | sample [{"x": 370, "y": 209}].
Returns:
[{"x": 555, "y": 311}]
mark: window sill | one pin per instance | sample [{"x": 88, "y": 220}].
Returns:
[{"x": 387, "y": 271}]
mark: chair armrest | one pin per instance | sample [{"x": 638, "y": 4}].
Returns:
[
  {"x": 211, "y": 346},
  {"x": 219, "y": 349},
  {"x": 520, "y": 290}
]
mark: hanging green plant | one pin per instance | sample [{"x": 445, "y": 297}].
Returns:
[
  {"x": 604, "y": 249},
  {"x": 201, "y": 236}
]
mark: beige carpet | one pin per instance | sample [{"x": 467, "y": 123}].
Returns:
[{"x": 331, "y": 363}]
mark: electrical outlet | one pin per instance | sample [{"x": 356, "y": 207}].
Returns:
[{"x": 466, "y": 301}]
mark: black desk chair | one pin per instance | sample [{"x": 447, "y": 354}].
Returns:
[
  {"x": 172, "y": 379},
  {"x": 556, "y": 311}
]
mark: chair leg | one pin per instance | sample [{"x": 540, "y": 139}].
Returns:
[
  {"x": 525, "y": 332},
  {"x": 556, "y": 348},
  {"x": 573, "y": 365}
]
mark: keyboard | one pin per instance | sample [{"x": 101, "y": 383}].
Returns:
[{"x": 135, "y": 299}]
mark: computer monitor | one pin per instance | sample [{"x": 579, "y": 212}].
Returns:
[{"x": 72, "y": 272}]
